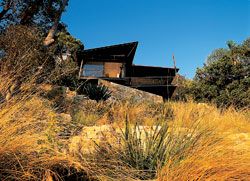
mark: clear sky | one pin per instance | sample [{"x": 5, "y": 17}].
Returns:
[{"x": 190, "y": 29}]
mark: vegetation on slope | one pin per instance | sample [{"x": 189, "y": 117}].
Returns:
[
  {"x": 43, "y": 130},
  {"x": 223, "y": 80},
  {"x": 201, "y": 142}
]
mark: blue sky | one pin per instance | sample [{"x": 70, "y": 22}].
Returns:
[{"x": 190, "y": 29}]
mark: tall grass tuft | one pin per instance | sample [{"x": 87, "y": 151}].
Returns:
[
  {"x": 146, "y": 149},
  {"x": 221, "y": 155}
]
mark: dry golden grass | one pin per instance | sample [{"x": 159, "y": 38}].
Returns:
[
  {"x": 27, "y": 141},
  {"x": 30, "y": 148},
  {"x": 206, "y": 143},
  {"x": 222, "y": 155}
]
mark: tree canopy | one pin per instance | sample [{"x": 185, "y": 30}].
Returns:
[
  {"x": 42, "y": 14},
  {"x": 41, "y": 41},
  {"x": 224, "y": 79}
]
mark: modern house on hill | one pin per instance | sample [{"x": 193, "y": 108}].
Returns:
[{"x": 115, "y": 64}]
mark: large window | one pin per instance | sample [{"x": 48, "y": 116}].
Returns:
[{"x": 93, "y": 70}]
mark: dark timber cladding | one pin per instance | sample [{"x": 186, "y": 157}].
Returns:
[
  {"x": 115, "y": 64},
  {"x": 116, "y": 53}
]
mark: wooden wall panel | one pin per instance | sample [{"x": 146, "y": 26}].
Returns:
[{"x": 112, "y": 69}]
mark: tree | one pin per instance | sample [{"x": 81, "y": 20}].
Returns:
[
  {"x": 44, "y": 15},
  {"x": 217, "y": 54},
  {"x": 225, "y": 80},
  {"x": 40, "y": 13},
  {"x": 6, "y": 6},
  {"x": 68, "y": 50},
  {"x": 182, "y": 91},
  {"x": 51, "y": 34}
]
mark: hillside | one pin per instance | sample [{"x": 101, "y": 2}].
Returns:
[
  {"x": 57, "y": 125},
  {"x": 54, "y": 134}
]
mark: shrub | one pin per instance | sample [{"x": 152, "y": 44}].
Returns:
[
  {"x": 24, "y": 56},
  {"x": 26, "y": 60},
  {"x": 97, "y": 92},
  {"x": 183, "y": 89},
  {"x": 224, "y": 80}
]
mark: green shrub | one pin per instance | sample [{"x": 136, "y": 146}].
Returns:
[
  {"x": 224, "y": 80},
  {"x": 183, "y": 89},
  {"x": 96, "y": 92}
]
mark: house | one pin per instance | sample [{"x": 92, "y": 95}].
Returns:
[{"x": 115, "y": 64}]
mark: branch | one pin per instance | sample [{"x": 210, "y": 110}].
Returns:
[
  {"x": 30, "y": 11},
  {"x": 5, "y": 9},
  {"x": 51, "y": 34}
]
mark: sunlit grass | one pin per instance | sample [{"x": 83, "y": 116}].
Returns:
[
  {"x": 203, "y": 142},
  {"x": 222, "y": 155}
]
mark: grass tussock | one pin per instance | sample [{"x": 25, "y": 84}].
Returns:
[
  {"x": 222, "y": 155},
  {"x": 28, "y": 147},
  {"x": 171, "y": 141},
  {"x": 199, "y": 142}
]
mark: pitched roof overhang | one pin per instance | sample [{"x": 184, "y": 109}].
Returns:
[{"x": 122, "y": 53}]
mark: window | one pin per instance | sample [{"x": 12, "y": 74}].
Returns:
[{"x": 93, "y": 70}]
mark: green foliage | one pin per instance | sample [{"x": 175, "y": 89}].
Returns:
[
  {"x": 73, "y": 48},
  {"x": 65, "y": 40},
  {"x": 66, "y": 74},
  {"x": 183, "y": 89},
  {"x": 148, "y": 153},
  {"x": 96, "y": 92},
  {"x": 225, "y": 81},
  {"x": 146, "y": 149},
  {"x": 33, "y": 12},
  {"x": 141, "y": 150},
  {"x": 216, "y": 55},
  {"x": 29, "y": 22}
]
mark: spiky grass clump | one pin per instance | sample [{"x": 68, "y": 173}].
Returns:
[
  {"x": 146, "y": 149},
  {"x": 97, "y": 92}
]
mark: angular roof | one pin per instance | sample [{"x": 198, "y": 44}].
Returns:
[{"x": 117, "y": 53}]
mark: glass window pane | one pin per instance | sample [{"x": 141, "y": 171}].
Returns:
[{"x": 93, "y": 70}]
